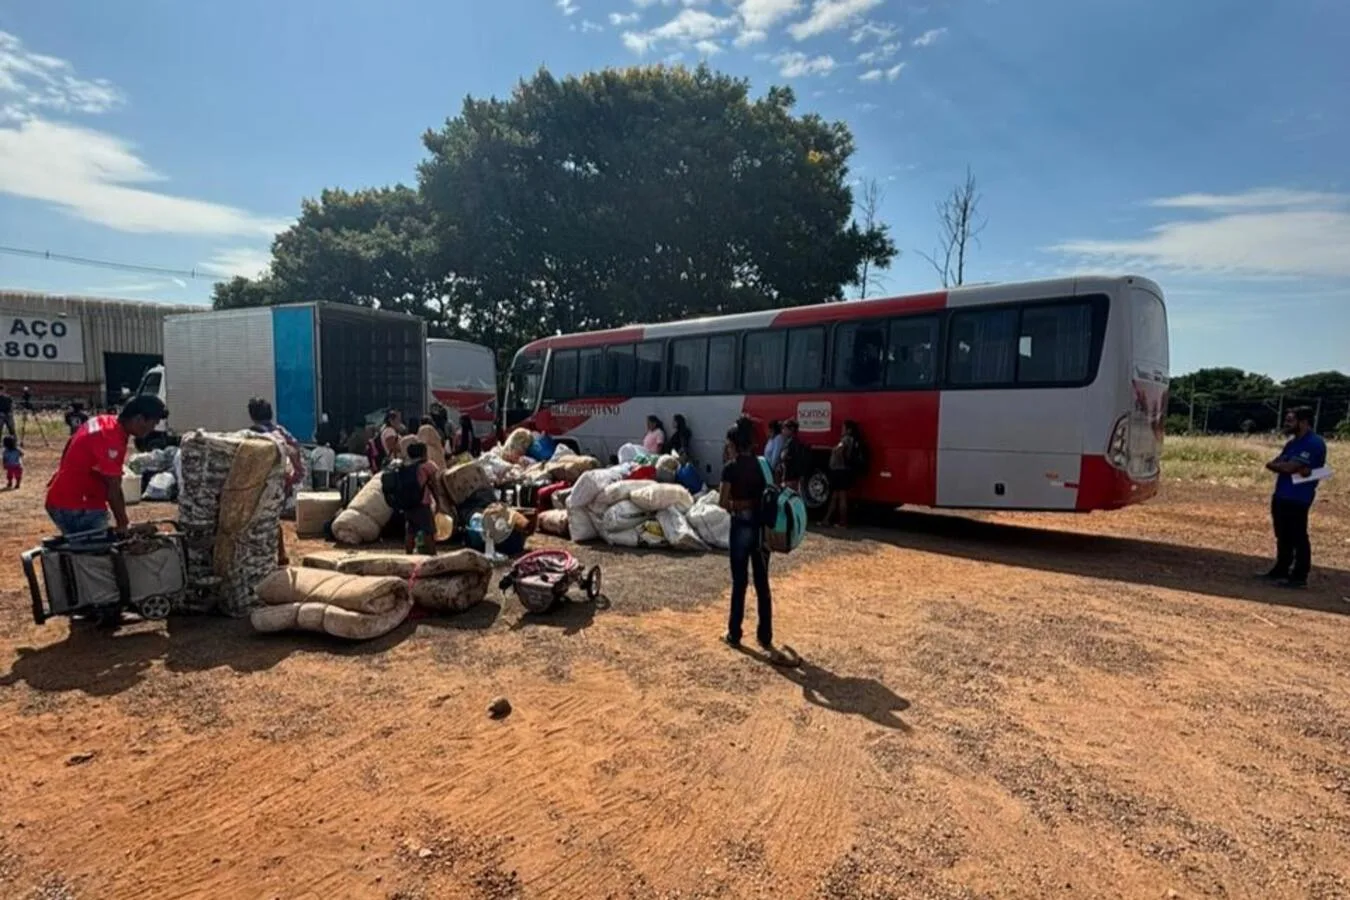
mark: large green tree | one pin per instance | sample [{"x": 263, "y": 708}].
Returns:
[{"x": 641, "y": 194}]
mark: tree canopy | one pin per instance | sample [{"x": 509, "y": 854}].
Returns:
[
  {"x": 619, "y": 196},
  {"x": 1233, "y": 400}
]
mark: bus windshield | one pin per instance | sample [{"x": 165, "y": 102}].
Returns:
[{"x": 523, "y": 388}]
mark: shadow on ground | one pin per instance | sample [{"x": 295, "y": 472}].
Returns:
[{"x": 1202, "y": 570}]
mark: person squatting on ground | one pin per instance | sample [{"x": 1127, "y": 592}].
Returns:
[
  {"x": 741, "y": 491},
  {"x": 13, "y": 457},
  {"x": 1291, "y": 502},
  {"x": 415, "y": 491},
  {"x": 88, "y": 479}
]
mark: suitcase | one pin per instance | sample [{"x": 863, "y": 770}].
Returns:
[
  {"x": 145, "y": 572},
  {"x": 351, "y": 485}
]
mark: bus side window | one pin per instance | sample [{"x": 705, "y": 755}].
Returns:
[
  {"x": 722, "y": 364},
  {"x": 619, "y": 370},
  {"x": 859, "y": 354},
  {"x": 911, "y": 360},
  {"x": 805, "y": 359},
  {"x": 562, "y": 375},
  {"x": 762, "y": 368},
  {"x": 982, "y": 347},
  {"x": 1054, "y": 343},
  {"x": 649, "y": 373},
  {"x": 592, "y": 363},
  {"x": 688, "y": 365}
]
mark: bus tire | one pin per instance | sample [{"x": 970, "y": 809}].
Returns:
[{"x": 816, "y": 489}]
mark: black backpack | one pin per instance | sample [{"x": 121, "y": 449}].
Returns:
[{"x": 400, "y": 487}]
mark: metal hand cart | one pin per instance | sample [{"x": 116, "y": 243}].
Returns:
[
  {"x": 98, "y": 575},
  {"x": 541, "y": 579}
]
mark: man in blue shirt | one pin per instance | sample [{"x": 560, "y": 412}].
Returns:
[{"x": 1289, "y": 506}]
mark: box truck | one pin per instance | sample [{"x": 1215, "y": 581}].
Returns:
[{"x": 308, "y": 359}]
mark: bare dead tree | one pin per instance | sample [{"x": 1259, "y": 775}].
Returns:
[
  {"x": 869, "y": 200},
  {"x": 959, "y": 226}
]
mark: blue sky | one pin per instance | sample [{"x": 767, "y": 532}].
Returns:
[{"x": 1201, "y": 143}]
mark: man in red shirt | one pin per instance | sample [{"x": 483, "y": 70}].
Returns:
[{"x": 89, "y": 478}]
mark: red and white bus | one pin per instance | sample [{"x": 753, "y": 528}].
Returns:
[
  {"x": 1046, "y": 395},
  {"x": 462, "y": 377}
]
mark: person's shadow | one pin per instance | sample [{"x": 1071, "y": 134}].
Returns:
[{"x": 864, "y": 697}]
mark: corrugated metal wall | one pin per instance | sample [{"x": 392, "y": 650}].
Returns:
[{"x": 113, "y": 326}]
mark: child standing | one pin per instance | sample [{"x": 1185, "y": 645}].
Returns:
[
  {"x": 13, "y": 458},
  {"x": 417, "y": 472}
]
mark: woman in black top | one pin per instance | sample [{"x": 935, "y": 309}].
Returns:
[
  {"x": 681, "y": 440},
  {"x": 467, "y": 441},
  {"x": 742, "y": 487}
]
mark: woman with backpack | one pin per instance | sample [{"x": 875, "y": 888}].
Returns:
[
  {"x": 848, "y": 460},
  {"x": 741, "y": 492},
  {"x": 407, "y": 489},
  {"x": 385, "y": 445}
]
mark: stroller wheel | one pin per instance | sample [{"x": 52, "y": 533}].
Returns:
[
  {"x": 592, "y": 583},
  {"x": 156, "y": 606}
]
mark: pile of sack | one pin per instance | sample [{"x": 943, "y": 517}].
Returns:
[
  {"x": 624, "y": 511},
  {"x": 155, "y": 474},
  {"x": 230, "y": 505},
  {"x": 359, "y": 596}
]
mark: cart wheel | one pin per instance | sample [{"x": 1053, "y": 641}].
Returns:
[
  {"x": 156, "y": 606},
  {"x": 592, "y": 583}
]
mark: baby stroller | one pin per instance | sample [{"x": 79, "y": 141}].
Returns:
[
  {"x": 99, "y": 576},
  {"x": 541, "y": 579}
]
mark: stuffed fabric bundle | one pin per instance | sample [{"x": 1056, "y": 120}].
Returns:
[
  {"x": 677, "y": 530},
  {"x": 581, "y": 526},
  {"x": 570, "y": 468},
  {"x": 463, "y": 481},
  {"x": 314, "y": 510},
  {"x": 450, "y": 582},
  {"x": 355, "y": 607},
  {"x": 710, "y": 521},
  {"x": 398, "y": 565},
  {"x": 230, "y": 500},
  {"x": 656, "y": 497},
  {"x": 589, "y": 486},
  {"x": 365, "y": 517},
  {"x": 614, "y": 493},
  {"x": 622, "y": 516},
  {"x": 553, "y": 521}
]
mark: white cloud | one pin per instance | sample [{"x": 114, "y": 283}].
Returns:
[
  {"x": 878, "y": 54},
  {"x": 879, "y": 30},
  {"x": 623, "y": 18},
  {"x": 249, "y": 262},
  {"x": 929, "y": 37},
  {"x": 95, "y": 176},
  {"x": 686, "y": 29},
  {"x": 708, "y": 48},
  {"x": 31, "y": 82},
  {"x": 828, "y": 15},
  {"x": 792, "y": 64},
  {"x": 133, "y": 287},
  {"x": 761, "y": 15},
  {"x": 748, "y": 37},
  {"x": 877, "y": 74},
  {"x": 587, "y": 26},
  {"x": 1262, "y": 232},
  {"x": 568, "y": 7},
  {"x": 1257, "y": 198}
]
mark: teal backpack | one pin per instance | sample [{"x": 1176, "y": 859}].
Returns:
[{"x": 782, "y": 513}]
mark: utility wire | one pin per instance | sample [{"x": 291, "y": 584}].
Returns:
[{"x": 104, "y": 263}]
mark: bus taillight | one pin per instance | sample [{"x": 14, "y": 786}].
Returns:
[{"x": 1118, "y": 451}]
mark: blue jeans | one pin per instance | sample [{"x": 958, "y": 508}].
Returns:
[
  {"x": 748, "y": 553},
  {"x": 76, "y": 521}
]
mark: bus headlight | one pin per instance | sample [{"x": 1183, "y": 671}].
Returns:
[{"x": 1117, "y": 451}]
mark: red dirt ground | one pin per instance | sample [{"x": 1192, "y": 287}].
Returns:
[{"x": 1009, "y": 706}]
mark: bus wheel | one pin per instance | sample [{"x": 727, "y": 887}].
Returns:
[{"x": 816, "y": 489}]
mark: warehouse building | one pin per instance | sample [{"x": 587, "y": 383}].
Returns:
[{"x": 65, "y": 348}]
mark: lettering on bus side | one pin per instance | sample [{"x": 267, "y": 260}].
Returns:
[
  {"x": 586, "y": 410},
  {"x": 813, "y": 416}
]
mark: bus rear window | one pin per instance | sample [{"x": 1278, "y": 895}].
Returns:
[{"x": 1148, "y": 326}]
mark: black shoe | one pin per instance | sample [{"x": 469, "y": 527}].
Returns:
[
  {"x": 1274, "y": 575},
  {"x": 1294, "y": 583},
  {"x": 733, "y": 643}
]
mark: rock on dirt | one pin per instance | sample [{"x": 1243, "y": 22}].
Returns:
[
  {"x": 499, "y": 708},
  {"x": 79, "y": 759}
]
